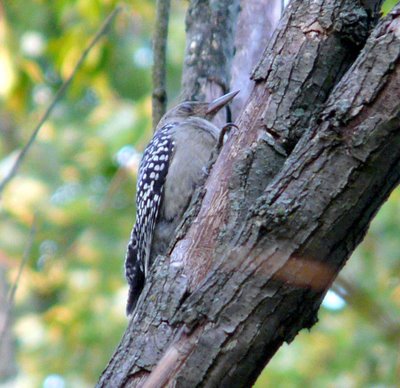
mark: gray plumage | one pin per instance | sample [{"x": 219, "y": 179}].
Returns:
[{"x": 171, "y": 167}]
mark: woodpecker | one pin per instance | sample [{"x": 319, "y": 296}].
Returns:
[{"x": 172, "y": 165}]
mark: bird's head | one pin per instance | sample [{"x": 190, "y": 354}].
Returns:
[{"x": 205, "y": 110}]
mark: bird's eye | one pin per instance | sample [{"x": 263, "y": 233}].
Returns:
[{"x": 186, "y": 108}]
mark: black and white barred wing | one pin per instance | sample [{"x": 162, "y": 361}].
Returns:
[{"x": 153, "y": 170}]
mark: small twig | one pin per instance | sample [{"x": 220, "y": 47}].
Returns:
[
  {"x": 13, "y": 289},
  {"x": 116, "y": 181},
  {"x": 159, "y": 97},
  {"x": 56, "y": 98},
  {"x": 370, "y": 309}
]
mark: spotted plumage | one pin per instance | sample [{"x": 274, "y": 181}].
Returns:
[{"x": 152, "y": 172}]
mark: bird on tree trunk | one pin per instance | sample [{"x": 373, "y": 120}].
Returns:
[{"x": 172, "y": 166}]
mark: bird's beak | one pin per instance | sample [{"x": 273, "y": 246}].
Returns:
[{"x": 220, "y": 102}]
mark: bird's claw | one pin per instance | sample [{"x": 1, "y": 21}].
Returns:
[{"x": 225, "y": 129}]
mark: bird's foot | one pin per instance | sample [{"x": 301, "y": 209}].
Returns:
[{"x": 224, "y": 131}]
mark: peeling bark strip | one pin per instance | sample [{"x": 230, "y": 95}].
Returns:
[{"x": 216, "y": 310}]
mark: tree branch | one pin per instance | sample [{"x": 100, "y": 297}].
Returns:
[
  {"x": 60, "y": 93},
  {"x": 159, "y": 97},
  {"x": 252, "y": 269},
  {"x": 297, "y": 237},
  {"x": 369, "y": 308},
  {"x": 293, "y": 80},
  {"x": 13, "y": 289},
  {"x": 310, "y": 55}
]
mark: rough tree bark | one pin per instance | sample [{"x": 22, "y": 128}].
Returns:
[
  {"x": 210, "y": 35},
  {"x": 268, "y": 234}
]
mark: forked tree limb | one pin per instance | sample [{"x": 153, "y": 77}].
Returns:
[
  {"x": 302, "y": 230},
  {"x": 267, "y": 245},
  {"x": 299, "y": 68}
]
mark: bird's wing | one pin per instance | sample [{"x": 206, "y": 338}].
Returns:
[{"x": 153, "y": 170}]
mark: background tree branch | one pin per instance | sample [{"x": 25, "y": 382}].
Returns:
[
  {"x": 7, "y": 367},
  {"x": 11, "y": 294},
  {"x": 210, "y": 48},
  {"x": 159, "y": 97},
  {"x": 362, "y": 301},
  {"x": 256, "y": 22}
]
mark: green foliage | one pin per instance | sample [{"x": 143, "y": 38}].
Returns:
[
  {"x": 388, "y": 5},
  {"x": 69, "y": 313}
]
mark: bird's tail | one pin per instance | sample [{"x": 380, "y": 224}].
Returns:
[{"x": 135, "y": 288}]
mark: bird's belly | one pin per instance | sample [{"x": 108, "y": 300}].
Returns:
[
  {"x": 177, "y": 194},
  {"x": 175, "y": 202}
]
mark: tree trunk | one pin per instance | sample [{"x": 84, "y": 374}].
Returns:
[{"x": 289, "y": 198}]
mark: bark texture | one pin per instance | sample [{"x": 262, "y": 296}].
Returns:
[
  {"x": 298, "y": 66},
  {"x": 268, "y": 234},
  {"x": 210, "y": 29},
  {"x": 210, "y": 48}
]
